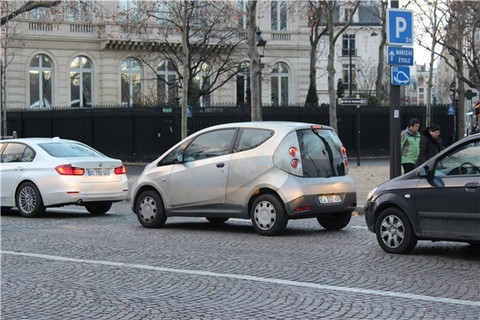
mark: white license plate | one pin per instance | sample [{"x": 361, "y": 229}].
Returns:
[
  {"x": 98, "y": 172},
  {"x": 333, "y": 198}
]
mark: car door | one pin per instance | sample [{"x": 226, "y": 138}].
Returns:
[
  {"x": 449, "y": 205},
  {"x": 201, "y": 178},
  {"x": 15, "y": 159}
]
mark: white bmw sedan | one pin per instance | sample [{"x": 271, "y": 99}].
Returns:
[{"x": 37, "y": 173}]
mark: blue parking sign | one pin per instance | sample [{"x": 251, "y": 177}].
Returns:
[{"x": 400, "y": 27}]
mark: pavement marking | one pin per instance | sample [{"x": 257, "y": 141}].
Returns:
[{"x": 250, "y": 278}]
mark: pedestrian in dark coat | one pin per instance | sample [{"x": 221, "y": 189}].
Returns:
[{"x": 429, "y": 143}]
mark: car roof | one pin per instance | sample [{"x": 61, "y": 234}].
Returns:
[
  {"x": 274, "y": 125},
  {"x": 37, "y": 140}
]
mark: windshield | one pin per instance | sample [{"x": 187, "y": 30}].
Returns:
[{"x": 321, "y": 152}]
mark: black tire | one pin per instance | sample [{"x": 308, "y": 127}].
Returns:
[
  {"x": 29, "y": 200},
  {"x": 268, "y": 215},
  {"x": 395, "y": 232},
  {"x": 98, "y": 207},
  {"x": 149, "y": 210},
  {"x": 217, "y": 220},
  {"x": 338, "y": 222}
]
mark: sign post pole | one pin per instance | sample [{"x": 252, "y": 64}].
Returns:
[{"x": 400, "y": 32}]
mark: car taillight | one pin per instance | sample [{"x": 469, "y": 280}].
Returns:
[
  {"x": 292, "y": 151},
  {"x": 345, "y": 158},
  {"x": 68, "y": 170},
  {"x": 120, "y": 170},
  {"x": 294, "y": 163}
]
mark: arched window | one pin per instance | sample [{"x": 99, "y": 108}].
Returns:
[
  {"x": 81, "y": 80},
  {"x": 41, "y": 78},
  {"x": 131, "y": 82},
  {"x": 167, "y": 82},
  {"x": 280, "y": 84},
  {"x": 201, "y": 83},
  {"x": 243, "y": 84}
]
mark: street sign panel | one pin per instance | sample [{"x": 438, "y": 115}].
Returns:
[
  {"x": 400, "y": 76},
  {"x": 400, "y": 27},
  {"x": 402, "y": 56},
  {"x": 353, "y": 101}
]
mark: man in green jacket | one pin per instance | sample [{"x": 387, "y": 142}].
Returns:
[{"x": 410, "y": 145}]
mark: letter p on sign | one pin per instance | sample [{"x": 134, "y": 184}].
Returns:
[{"x": 400, "y": 27}]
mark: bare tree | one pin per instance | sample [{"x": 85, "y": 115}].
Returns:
[
  {"x": 23, "y": 8},
  {"x": 431, "y": 20},
  {"x": 199, "y": 37},
  {"x": 10, "y": 10},
  {"x": 329, "y": 9},
  {"x": 457, "y": 33},
  {"x": 379, "y": 82},
  {"x": 317, "y": 29},
  {"x": 255, "y": 71}
]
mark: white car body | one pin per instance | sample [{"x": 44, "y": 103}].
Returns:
[{"x": 56, "y": 189}]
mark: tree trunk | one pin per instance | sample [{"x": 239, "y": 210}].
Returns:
[
  {"x": 256, "y": 103},
  {"x": 331, "y": 84},
  {"x": 186, "y": 58}
]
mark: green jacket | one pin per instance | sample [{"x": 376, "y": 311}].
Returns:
[{"x": 410, "y": 146}]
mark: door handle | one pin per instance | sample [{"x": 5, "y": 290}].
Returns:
[
  {"x": 220, "y": 165},
  {"x": 472, "y": 186}
]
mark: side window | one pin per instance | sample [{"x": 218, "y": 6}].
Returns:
[
  {"x": 252, "y": 138},
  {"x": 210, "y": 144},
  {"x": 464, "y": 161},
  {"x": 170, "y": 158},
  {"x": 17, "y": 152}
]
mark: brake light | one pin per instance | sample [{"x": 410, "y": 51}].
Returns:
[
  {"x": 294, "y": 163},
  {"x": 292, "y": 151},
  {"x": 120, "y": 170},
  {"x": 345, "y": 158},
  {"x": 68, "y": 170},
  {"x": 317, "y": 127}
]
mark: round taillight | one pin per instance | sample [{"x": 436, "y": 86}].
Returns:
[
  {"x": 294, "y": 163},
  {"x": 292, "y": 151}
]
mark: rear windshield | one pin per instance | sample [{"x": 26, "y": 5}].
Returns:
[
  {"x": 321, "y": 152},
  {"x": 69, "y": 150}
]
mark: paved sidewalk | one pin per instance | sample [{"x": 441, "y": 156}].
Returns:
[{"x": 367, "y": 176}]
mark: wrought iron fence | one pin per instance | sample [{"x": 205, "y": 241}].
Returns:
[{"x": 144, "y": 133}]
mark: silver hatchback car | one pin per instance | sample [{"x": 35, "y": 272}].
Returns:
[{"x": 268, "y": 172}]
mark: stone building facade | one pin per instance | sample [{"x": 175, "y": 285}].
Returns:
[{"x": 81, "y": 59}]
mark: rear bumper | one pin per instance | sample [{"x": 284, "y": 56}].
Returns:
[
  {"x": 310, "y": 207},
  {"x": 60, "y": 194}
]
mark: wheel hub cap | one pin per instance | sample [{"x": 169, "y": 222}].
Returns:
[{"x": 265, "y": 215}]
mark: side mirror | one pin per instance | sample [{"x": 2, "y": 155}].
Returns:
[
  {"x": 178, "y": 158},
  {"x": 423, "y": 172}
]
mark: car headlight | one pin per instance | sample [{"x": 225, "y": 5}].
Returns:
[{"x": 371, "y": 193}]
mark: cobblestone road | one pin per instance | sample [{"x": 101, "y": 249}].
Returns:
[{"x": 71, "y": 265}]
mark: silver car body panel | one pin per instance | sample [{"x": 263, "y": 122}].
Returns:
[{"x": 238, "y": 176}]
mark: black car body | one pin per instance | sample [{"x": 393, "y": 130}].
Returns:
[{"x": 439, "y": 200}]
